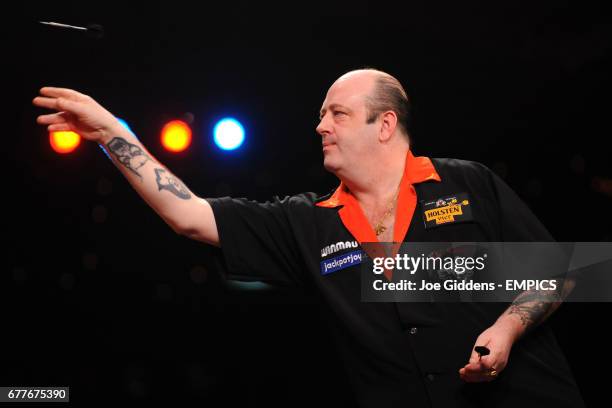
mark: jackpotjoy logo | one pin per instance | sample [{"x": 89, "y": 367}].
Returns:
[{"x": 341, "y": 262}]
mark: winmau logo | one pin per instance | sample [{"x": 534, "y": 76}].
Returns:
[{"x": 338, "y": 246}]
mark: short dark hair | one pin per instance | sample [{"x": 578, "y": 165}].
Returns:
[{"x": 389, "y": 95}]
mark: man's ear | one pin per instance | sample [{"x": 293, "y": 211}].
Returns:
[{"x": 388, "y": 126}]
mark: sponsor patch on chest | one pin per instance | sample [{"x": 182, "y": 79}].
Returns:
[
  {"x": 341, "y": 261},
  {"x": 338, "y": 246},
  {"x": 447, "y": 210}
]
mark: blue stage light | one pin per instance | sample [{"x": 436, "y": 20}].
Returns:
[{"x": 228, "y": 134}]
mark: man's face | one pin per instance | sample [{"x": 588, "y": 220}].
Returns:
[{"x": 347, "y": 138}]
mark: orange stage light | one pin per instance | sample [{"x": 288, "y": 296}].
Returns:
[
  {"x": 176, "y": 136},
  {"x": 64, "y": 141}
]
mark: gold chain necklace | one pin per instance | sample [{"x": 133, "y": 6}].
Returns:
[{"x": 379, "y": 228}]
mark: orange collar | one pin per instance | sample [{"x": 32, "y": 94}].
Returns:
[{"x": 416, "y": 170}]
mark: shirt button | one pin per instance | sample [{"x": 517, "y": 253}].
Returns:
[
  {"x": 431, "y": 377},
  {"x": 413, "y": 330}
]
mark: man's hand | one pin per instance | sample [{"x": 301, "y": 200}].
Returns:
[
  {"x": 528, "y": 310},
  {"x": 76, "y": 112},
  {"x": 499, "y": 339}
]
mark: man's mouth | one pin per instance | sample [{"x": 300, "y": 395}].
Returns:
[{"x": 327, "y": 147}]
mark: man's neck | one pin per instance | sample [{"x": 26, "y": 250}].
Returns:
[{"x": 376, "y": 183}]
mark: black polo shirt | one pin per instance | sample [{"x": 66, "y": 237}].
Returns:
[{"x": 401, "y": 354}]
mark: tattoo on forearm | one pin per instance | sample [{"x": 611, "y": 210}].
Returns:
[
  {"x": 129, "y": 155},
  {"x": 533, "y": 306},
  {"x": 166, "y": 181}
]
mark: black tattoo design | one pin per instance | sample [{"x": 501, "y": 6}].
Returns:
[
  {"x": 166, "y": 181},
  {"x": 533, "y": 306},
  {"x": 130, "y": 155}
]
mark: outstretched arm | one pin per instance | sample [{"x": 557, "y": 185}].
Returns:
[{"x": 182, "y": 210}]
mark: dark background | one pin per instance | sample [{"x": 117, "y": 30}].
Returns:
[{"x": 100, "y": 295}]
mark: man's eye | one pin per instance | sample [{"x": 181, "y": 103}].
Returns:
[{"x": 336, "y": 113}]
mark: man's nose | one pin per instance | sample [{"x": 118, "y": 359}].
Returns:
[{"x": 323, "y": 128}]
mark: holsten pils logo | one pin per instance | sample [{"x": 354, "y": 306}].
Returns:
[{"x": 455, "y": 208}]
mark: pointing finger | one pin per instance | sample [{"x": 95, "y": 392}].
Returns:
[
  {"x": 59, "y": 92},
  {"x": 59, "y": 104},
  {"x": 49, "y": 103}
]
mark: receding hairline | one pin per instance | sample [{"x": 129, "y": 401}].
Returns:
[
  {"x": 370, "y": 71},
  {"x": 378, "y": 79}
]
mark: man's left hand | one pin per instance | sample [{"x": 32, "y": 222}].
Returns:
[{"x": 499, "y": 339}]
